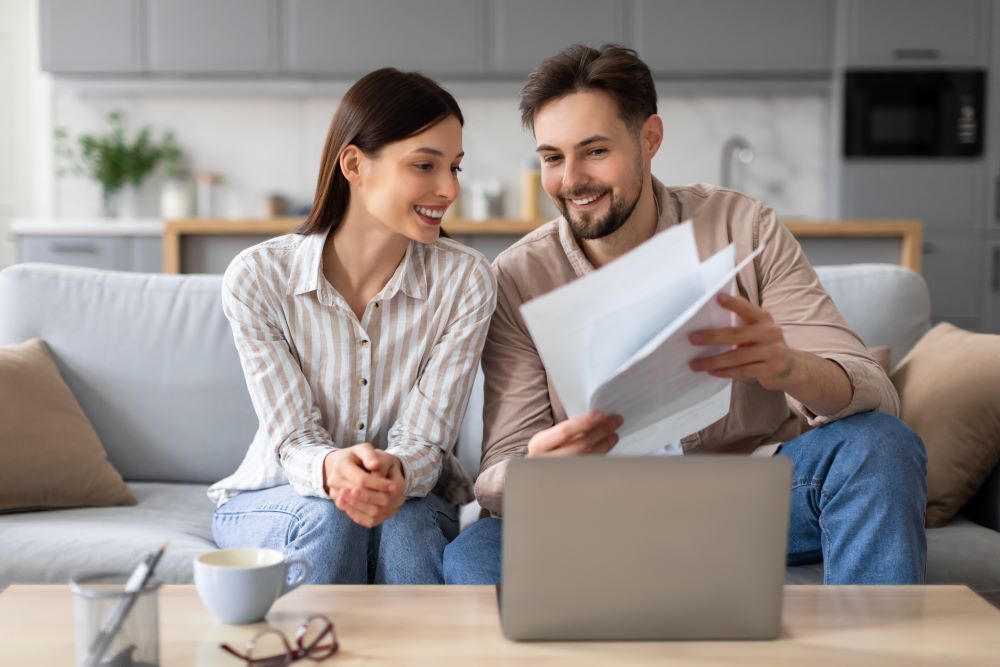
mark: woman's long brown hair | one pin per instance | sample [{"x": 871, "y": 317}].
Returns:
[{"x": 382, "y": 107}]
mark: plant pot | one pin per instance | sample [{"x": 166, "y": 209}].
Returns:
[{"x": 111, "y": 200}]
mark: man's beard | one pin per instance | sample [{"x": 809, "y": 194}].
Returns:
[{"x": 587, "y": 225}]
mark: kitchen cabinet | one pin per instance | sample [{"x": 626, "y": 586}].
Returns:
[
  {"x": 916, "y": 33},
  {"x": 99, "y": 36},
  {"x": 991, "y": 301},
  {"x": 949, "y": 197},
  {"x": 944, "y": 194},
  {"x": 734, "y": 36},
  {"x": 352, "y": 37},
  {"x": 525, "y": 32},
  {"x": 118, "y": 253},
  {"x": 222, "y": 36},
  {"x": 954, "y": 266}
]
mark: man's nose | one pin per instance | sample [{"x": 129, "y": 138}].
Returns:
[{"x": 573, "y": 176}]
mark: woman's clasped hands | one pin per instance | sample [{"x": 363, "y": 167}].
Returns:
[{"x": 365, "y": 483}]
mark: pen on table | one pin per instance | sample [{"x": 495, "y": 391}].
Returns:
[{"x": 142, "y": 573}]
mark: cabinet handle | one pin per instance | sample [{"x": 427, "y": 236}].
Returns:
[
  {"x": 996, "y": 269},
  {"x": 996, "y": 200},
  {"x": 916, "y": 54},
  {"x": 75, "y": 248}
]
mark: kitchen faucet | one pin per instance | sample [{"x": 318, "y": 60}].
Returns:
[{"x": 735, "y": 148}]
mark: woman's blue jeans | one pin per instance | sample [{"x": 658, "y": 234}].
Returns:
[
  {"x": 406, "y": 549},
  {"x": 859, "y": 491}
]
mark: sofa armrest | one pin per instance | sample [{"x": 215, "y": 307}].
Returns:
[{"x": 984, "y": 507}]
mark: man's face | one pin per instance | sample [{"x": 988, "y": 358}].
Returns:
[{"x": 592, "y": 165}]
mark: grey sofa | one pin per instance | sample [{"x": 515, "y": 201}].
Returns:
[{"x": 152, "y": 362}]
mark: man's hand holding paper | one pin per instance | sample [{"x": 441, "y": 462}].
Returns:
[{"x": 627, "y": 352}]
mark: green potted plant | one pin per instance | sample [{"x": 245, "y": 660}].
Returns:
[{"x": 114, "y": 161}]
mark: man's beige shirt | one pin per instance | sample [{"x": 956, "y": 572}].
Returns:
[{"x": 520, "y": 399}]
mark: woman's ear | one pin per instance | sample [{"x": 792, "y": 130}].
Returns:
[{"x": 350, "y": 164}]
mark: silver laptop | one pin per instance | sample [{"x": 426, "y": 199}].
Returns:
[{"x": 650, "y": 548}]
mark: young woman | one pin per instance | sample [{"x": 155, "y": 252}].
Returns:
[{"x": 360, "y": 337}]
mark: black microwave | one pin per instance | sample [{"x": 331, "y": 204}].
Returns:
[{"x": 935, "y": 113}]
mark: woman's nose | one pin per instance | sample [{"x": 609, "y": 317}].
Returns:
[{"x": 448, "y": 187}]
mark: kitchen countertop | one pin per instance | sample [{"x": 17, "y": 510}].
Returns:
[{"x": 87, "y": 226}]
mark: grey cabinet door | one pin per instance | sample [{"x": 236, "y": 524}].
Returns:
[
  {"x": 95, "y": 36},
  {"x": 954, "y": 268},
  {"x": 353, "y": 37},
  {"x": 219, "y": 36},
  {"x": 525, "y": 32},
  {"x": 991, "y": 305},
  {"x": 145, "y": 254},
  {"x": 96, "y": 252},
  {"x": 917, "y": 33},
  {"x": 735, "y": 36},
  {"x": 944, "y": 194}
]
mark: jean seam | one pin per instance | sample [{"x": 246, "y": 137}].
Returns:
[{"x": 258, "y": 510}]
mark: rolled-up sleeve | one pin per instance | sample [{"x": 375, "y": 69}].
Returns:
[
  {"x": 280, "y": 393},
  {"x": 791, "y": 291},
  {"x": 432, "y": 411}
]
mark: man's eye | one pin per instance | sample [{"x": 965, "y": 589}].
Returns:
[
  {"x": 599, "y": 151},
  {"x": 551, "y": 159}
]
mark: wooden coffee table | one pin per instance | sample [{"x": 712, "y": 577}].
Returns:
[{"x": 438, "y": 625}]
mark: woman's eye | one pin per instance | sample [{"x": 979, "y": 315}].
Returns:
[
  {"x": 456, "y": 170},
  {"x": 424, "y": 166}
]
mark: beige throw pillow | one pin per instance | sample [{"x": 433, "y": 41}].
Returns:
[
  {"x": 949, "y": 392},
  {"x": 50, "y": 455}
]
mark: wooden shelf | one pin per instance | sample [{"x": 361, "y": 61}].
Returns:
[{"x": 910, "y": 232}]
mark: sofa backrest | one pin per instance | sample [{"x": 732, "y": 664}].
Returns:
[
  {"x": 150, "y": 357},
  {"x": 884, "y": 304}
]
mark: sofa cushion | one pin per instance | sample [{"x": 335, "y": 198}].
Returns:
[
  {"x": 52, "y": 546},
  {"x": 49, "y": 453},
  {"x": 150, "y": 358},
  {"x": 961, "y": 552},
  {"x": 949, "y": 390}
]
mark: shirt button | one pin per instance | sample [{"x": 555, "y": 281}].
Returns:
[
  {"x": 364, "y": 343},
  {"x": 376, "y": 304},
  {"x": 361, "y": 426},
  {"x": 363, "y": 382}
]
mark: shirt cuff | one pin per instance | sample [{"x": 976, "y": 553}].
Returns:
[
  {"x": 489, "y": 487},
  {"x": 421, "y": 468},
  {"x": 309, "y": 466},
  {"x": 866, "y": 379}
]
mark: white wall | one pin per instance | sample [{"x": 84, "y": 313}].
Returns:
[
  {"x": 266, "y": 137},
  {"x": 24, "y": 117}
]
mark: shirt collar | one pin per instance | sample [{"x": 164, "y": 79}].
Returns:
[
  {"x": 666, "y": 206},
  {"x": 307, "y": 272}
]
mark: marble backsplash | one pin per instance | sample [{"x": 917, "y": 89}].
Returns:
[{"x": 267, "y": 142}]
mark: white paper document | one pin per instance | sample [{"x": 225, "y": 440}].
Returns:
[{"x": 617, "y": 339}]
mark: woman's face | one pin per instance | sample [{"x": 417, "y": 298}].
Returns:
[{"x": 410, "y": 183}]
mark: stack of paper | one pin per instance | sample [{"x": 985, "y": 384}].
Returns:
[{"x": 617, "y": 339}]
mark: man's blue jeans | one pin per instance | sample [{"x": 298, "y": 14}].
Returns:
[
  {"x": 859, "y": 490},
  {"x": 406, "y": 549}
]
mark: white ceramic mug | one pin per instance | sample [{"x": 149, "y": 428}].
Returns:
[{"x": 239, "y": 585}]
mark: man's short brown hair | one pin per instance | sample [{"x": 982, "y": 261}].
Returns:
[{"x": 613, "y": 69}]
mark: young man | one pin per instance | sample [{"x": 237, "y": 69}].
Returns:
[{"x": 858, "y": 483}]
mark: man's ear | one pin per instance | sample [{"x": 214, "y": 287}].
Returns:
[
  {"x": 350, "y": 164},
  {"x": 651, "y": 136}
]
